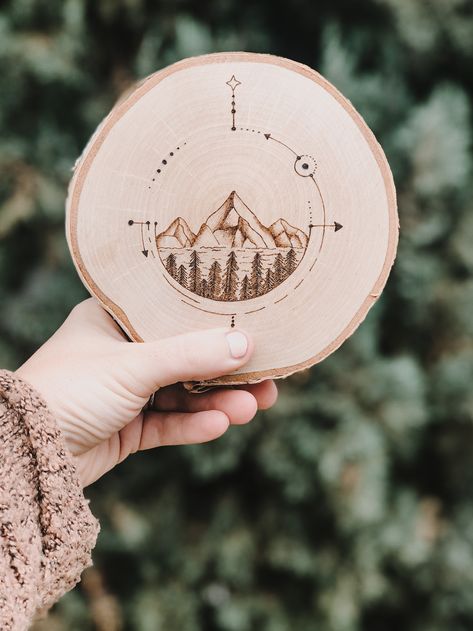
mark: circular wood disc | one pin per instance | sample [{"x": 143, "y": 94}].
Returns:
[{"x": 236, "y": 189}]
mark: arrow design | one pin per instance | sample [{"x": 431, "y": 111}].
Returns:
[
  {"x": 144, "y": 250},
  {"x": 337, "y": 226},
  {"x": 269, "y": 137},
  {"x": 131, "y": 222}
]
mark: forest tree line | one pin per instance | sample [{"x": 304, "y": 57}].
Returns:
[{"x": 225, "y": 284}]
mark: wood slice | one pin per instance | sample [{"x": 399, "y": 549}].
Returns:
[{"x": 235, "y": 189}]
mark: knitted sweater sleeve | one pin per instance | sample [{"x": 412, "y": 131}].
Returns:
[{"x": 47, "y": 530}]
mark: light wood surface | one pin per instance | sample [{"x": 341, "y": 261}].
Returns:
[{"x": 235, "y": 189}]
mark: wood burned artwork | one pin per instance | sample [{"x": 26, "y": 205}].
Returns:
[
  {"x": 237, "y": 190},
  {"x": 233, "y": 256}
]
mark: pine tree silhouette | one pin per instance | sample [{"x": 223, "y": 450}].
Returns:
[
  {"x": 279, "y": 270},
  {"x": 204, "y": 289},
  {"x": 214, "y": 283},
  {"x": 245, "y": 288},
  {"x": 256, "y": 278},
  {"x": 182, "y": 276},
  {"x": 291, "y": 262},
  {"x": 269, "y": 281},
  {"x": 195, "y": 280},
  {"x": 231, "y": 278},
  {"x": 171, "y": 266}
]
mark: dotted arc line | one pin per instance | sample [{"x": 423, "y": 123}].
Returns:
[{"x": 164, "y": 162}]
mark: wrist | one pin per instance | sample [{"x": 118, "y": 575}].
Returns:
[{"x": 32, "y": 378}]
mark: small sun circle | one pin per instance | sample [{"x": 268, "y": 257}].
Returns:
[{"x": 305, "y": 166}]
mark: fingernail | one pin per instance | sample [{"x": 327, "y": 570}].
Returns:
[{"x": 237, "y": 343}]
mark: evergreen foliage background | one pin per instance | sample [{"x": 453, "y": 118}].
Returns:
[{"x": 350, "y": 505}]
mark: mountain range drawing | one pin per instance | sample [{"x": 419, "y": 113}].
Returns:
[{"x": 232, "y": 256}]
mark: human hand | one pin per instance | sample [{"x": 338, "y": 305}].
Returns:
[{"x": 96, "y": 384}]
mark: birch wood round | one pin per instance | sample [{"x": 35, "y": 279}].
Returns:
[{"x": 238, "y": 190}]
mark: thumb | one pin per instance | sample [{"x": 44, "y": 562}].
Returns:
[{"x": 190, "y": 357}]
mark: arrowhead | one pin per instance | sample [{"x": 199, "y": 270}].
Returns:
[
  {"x": 145, "y": 252},
  {"x": 267, "y": 136},
  {"x": 338, "y": 226}
]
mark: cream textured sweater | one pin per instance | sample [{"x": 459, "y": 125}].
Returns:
[{"x": 46, "y": 526}]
